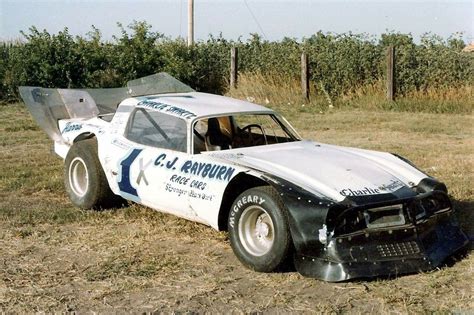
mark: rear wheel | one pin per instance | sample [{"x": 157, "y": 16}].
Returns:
[
  {"x": 84, "y": 178},
  {"x": 258, "y": 229}
]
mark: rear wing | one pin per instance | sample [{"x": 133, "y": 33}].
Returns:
[{"x": 47, "y": 105}]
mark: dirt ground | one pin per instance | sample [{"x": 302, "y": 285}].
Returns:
[{"x": 56, "y": 258}]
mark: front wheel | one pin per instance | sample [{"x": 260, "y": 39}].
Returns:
[
  {"x": 84, "y": 178},
  {"x": 258, "y": 229}
]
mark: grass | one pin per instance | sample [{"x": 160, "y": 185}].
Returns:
[
  {"x": 56, "y": 258},
  {"x": 281, "y": 92}
]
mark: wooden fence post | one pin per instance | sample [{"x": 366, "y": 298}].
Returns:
[
  {"x": 304, "y": 76},
  {"x": 390, "y": 73},
  {"x": 234, "y": 68}
]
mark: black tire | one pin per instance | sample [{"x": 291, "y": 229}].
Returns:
[
  {"x": 84, "y": 178},
  {"x": 258, "y": 230}
]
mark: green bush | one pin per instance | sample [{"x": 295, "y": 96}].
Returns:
[{"x": 339, "y": 64}]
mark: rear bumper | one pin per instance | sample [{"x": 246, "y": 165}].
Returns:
[{"x": 385, "y": 252}]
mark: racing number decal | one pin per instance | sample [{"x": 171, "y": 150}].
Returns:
[{"x": 124, "y": 183}]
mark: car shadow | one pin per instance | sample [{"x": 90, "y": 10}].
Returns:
[{"x": 465, "y": 214}]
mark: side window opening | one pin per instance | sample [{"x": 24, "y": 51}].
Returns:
[
  {"x": 157, "y": 130},
  {"x": 212, "y": 134},
  {"x": 239, "y": 131}
]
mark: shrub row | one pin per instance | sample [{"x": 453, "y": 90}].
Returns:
[{"x": 339, "y": 63}]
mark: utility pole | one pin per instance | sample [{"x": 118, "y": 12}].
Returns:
[{"x": 190, "y": 22}]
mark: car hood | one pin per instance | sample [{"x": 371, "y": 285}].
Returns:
[{"x": 328, "y": 170}]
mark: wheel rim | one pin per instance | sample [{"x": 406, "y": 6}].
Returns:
[
  {"x": 78, "y": 177},
  {"x": 256, "y": 231}
]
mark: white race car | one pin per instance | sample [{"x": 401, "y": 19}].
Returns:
[{"x": 338, "y": 212}]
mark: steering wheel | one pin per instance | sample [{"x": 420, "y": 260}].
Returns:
[{"x": 248, "y": 129}]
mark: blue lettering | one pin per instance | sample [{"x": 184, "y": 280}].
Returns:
[
  {"x": 213, "y": 171},
  {"x": 186, "y": 166},
  {"x": 71, "y": 127},
  {"x": 172, "y": 163},
  {"x": 160, "y": 158},
  {"x": 206, "y": 170},
  {"x": 229, "y": 173}
]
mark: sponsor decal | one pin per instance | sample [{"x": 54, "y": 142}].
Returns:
[
  {"x": 188, "y": 186},
  {"x": 241, "y": 203},
  {"x": 120, "y": 144},
  {"x": 208, "y": 170},
  {"x": 184, "y": 181},
  {"x": 359, "y": 192},
  {"x": 386, "y": 188},
  {"x": 71, "y": 127},
  {"x": 201, "y": 169},
  {"x": 392, "y": 186},
  {"x": 166, "y": 108},
  {"x": 189, "y": 178},
  {"x": 185, "y": 191}
]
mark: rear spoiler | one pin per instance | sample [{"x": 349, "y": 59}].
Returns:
[{"x": 48, "y": 105}]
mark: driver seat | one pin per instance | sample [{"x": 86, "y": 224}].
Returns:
[{"x": 215, "y": 139}]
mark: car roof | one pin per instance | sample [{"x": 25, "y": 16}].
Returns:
[{"x": 196, "y": 104}]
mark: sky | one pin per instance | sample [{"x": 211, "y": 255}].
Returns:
[{"x": 273, "y": 20}]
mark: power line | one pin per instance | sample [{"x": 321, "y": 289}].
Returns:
[{"x": 255, "y": 19}]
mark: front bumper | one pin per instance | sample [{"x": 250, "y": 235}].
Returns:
[{"x": 385, "y": 252}]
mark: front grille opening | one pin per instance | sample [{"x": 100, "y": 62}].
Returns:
[
  {"x": 384, "y": 216},
  {"x": 398, "y": 249}
]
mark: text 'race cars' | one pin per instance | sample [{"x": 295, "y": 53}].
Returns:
[{"x": 337, "y": 213}]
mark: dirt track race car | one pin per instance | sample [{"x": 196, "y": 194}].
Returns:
[{"x": 337, "y": 212}]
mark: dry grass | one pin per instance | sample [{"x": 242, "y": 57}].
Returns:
[
  {"x": 57, "y": 258},
  {"x": 281, "y": 91}
]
